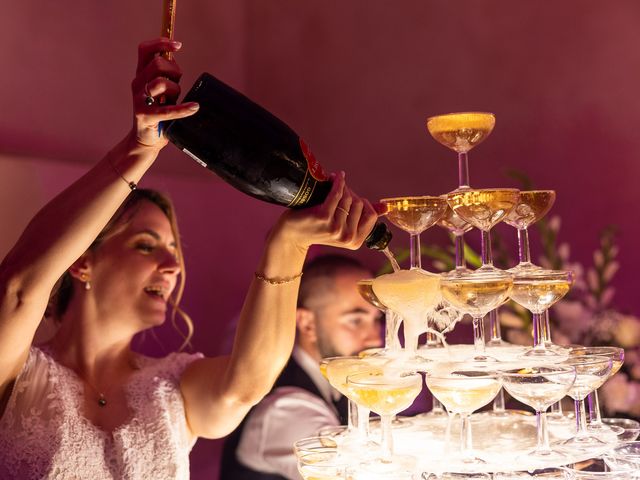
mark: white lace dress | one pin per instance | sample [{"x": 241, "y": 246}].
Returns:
[{"x": 43, "y": 433}]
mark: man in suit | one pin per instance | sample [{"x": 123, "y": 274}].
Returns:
[{"x": 332, "y": 319}]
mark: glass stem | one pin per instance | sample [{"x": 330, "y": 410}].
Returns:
[
  {"x": 581, "y": 422},
  {"x": 463, "y": 170},
  {"x": 556, "y": 409},
  {"x": 595, "y": 419},
  {"x": 363, "y": 422},
  {"x": 543, "y": 432},
  {"x": 478, "y": 335},
  {"x": 487, "y": 255},
  {"x": 494, "y": 326},
  {"x": 465, "y": 436},
  {"x": 546, "y": 328},
  {"x": 414, "y": 252},
  {"x": 352, "y": 411},
  {"x": 538, "y": 339},
  {"x": 498, "y": 402},
  {"x": 523, "y": 246},
  {"x": 459, "y": 243},
  {"x": 387, "y": 438}
]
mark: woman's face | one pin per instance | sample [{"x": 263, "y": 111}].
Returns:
[{"x": 134, "y": 272}]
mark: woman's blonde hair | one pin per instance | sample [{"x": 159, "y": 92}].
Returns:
[{"x": 63, "y": 290}]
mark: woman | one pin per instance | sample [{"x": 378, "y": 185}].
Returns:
[{"x": 85, "y": 405}]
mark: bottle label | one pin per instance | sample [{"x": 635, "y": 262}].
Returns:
[
  {"x": 315, "y": 169},
  {"x": 314, "y": 174}
]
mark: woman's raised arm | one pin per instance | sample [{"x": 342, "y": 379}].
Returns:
[{"x": 67, "y": 225}]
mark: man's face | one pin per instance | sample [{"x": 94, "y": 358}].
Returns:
[{"x": 346, "y": 323}]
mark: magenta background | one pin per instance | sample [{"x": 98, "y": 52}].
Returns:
[{"x": 357, "y": 79}]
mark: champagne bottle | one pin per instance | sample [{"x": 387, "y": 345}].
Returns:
[{"x": 253, "y": 150}]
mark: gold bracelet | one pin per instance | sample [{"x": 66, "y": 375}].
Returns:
[
  {"x": 132, "y": 185},
  {"x": 276, "y": 281}
]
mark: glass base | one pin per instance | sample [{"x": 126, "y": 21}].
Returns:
[
  {"x": 582, "y": 443},
  {"x": 601, "y": 428}
]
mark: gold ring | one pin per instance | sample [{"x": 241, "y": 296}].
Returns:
[
  {"x": 343, "y": 209},
  {"x": 148, "y": 99}
]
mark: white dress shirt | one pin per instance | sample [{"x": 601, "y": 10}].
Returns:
[{"x": 285, "y": 415}]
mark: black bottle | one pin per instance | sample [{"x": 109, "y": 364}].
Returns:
[{"x": 253, "y": 150}]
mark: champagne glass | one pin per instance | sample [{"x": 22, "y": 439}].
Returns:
[
  {"x": 597, "y": 469},
  {"x": 616, "y": 355},
  {"x": 461, "y": 132},
  {"x": 537, "y": 291},
  {"x": 591, "y": 372},
  {"x": 463, "y": 388},
  {"x": 457, "y": 227},
  {"x": 484, "y": 209},
  {"x": 391, "y": 342},
  {"x": 322, "y": 466},
  {"x": 336, "y": 370},
  {"x": 386, "y": 394},
  {"x": 476, "y": 294},
  {"x": 540, "y": 387},
  {"x": 414, "y": 215},
  {"x": 313, "y": 445},
  {"x": 532, "y": 206},
  {"x": 412, "y": 294}
]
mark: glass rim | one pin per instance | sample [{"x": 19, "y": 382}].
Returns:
[
  {"x": 590, "y": 359},
  {"x": 407, "y": 378},
  {"x": 558, "y": 370},
  {"x": 487, "y": 189},
  {"x": 476, "y": 276},
  {"x": 450, "y": 114},
  {"x": 543, "y": 273},
  {"x": 412, "y": 197}
]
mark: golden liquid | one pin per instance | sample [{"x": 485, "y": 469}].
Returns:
[
  {"x": 453, "y": 223},
  {"x": 365, "y": 288},
  {"x": 463, "y": 394},
  {"x": 339, "y": 369},
  {"x": 461, "y": 131},
  {"x": 616, "y": 365},
  {"x": 369, "y": 352},
  {"x": 414, "y": 214},
  {"x": 385, "y": 400},
  {"x": 323, "y": 370},
  {"x": 483, "y": 208},
  {"x": 477, "y": 296},
  {"x": 532, "y": 206},
  {"x": 538, "y": 295}
]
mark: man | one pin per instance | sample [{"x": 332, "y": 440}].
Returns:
[{"x": 332, "y": 319}]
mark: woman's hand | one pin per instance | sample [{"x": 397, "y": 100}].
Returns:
[
  {"x": 343, "y": 220},
  {"x": 157, "y": 79}
]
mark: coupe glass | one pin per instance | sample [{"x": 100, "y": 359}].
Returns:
[
  {"x": 597, "y": 469},
  {"x": 413, "y": 295},
  {"x": 461, "y": 132},
  {"x": 386, "y": 394},
  {"x": 336, "y": 370},
  {"x": 414, "y": 215},
  {"x": 532, "y": 206},
  {"x": 476, "y": 294},
  {"x": 540, "y": 387},
  {"x": 463, "y": 388},
  {"x": 537, "y": 291},
  {"x": 591, "y": 372},
  {"x": 322, "y": 466},
  {"x": 616, "y": 355},
  {"x": 624, "y": 457}
]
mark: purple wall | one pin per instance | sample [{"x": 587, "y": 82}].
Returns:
[{"x": 357, "y": 79}]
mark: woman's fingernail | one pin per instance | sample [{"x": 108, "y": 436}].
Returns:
[
  {"x": 176, "y": 44},
  {"x": 194, "y": 107},
  {"x": 343, "y": 174}
]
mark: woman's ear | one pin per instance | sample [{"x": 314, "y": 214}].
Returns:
[
  {"x": 81, "y": 268},
  {"x": 306, "y": 325}
]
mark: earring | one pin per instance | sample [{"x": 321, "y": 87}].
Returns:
[{"x": 85, "y": 278}]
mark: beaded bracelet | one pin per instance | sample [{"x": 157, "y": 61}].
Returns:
[
  {"x": 132, "y": 185},
  {"x": 276, "y": 281}
]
